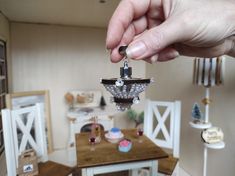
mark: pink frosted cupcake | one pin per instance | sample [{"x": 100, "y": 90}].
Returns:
[{"x": 124, "y": 145}]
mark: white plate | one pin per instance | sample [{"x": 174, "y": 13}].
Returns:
[
  {"x": 107, "y": 136},
  {"x": 113, "y": 140}
]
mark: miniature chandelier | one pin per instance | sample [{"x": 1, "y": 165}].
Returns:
[{"x": 125, "y": 90}]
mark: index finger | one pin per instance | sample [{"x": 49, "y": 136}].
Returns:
[{"x": 126, "y": 12}]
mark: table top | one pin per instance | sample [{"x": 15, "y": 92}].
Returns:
[{"x": 106, "y": 153}]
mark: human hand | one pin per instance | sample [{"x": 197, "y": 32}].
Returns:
[{"x": 163, "y": 29}]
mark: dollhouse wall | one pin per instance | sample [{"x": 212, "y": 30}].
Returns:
[
  {"x": 60, "y": 59},
  {"x": 4, "y": 27},
  {"x": 175, "y": 82}
]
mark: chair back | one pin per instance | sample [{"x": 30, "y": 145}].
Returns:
[
  {"x": 162, "y": 124},
  {"x": 23, "y": 129}
]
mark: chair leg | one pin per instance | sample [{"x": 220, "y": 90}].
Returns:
[
  {"x": 144, "y": 172},
  {"x": 176, "y": 171},
  {"x": 133, "y": 172},
  {"x": 89, "y": 172},
  {"x": 84, "y": 172}
]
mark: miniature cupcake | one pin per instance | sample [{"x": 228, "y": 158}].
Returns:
[
  {"x": 114, "y": 135},
  {"x": 124, "y": 145}
]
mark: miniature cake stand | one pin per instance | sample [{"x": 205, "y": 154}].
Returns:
[
  {"x": 200, "y": 125},
  {"x": 218, "y": 145}
]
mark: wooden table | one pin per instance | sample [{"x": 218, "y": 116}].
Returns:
[{"x": 106, "y": 157}]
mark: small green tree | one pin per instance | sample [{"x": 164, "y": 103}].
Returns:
[
  {"x": 134, "y": 116},
  {"x": 196, "y": 112}
]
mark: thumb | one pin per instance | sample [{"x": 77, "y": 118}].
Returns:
[{"x": 151, "y": 42}]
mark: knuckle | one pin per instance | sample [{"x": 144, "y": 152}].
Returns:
[{"x": 155, "y": 40}]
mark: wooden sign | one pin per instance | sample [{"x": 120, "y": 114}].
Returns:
[{"x": 212, "y": 135}]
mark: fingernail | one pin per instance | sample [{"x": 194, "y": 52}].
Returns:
[
  {"x": 154, "y": 58},
  {"x": 136, "y": 50},
  {"x": 168, "y": 56},
  {"x": 175, "y": 54}
]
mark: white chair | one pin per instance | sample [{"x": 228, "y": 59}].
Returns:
[
  {"x": 162, "y": 126},
  {"x": 25, "y": 128}
]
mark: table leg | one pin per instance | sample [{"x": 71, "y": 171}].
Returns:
[
  {"x": 90, "y": 172},
  {"x": 154, "y": 168},
  {"x": 84, "y": 172}
]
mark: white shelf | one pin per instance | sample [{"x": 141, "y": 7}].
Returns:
[
  {"x": 200, "y": 125},
  {"x": 219, "y": 145}
]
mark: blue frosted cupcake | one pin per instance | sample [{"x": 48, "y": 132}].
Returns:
[{"x": 124, "y": 145}]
